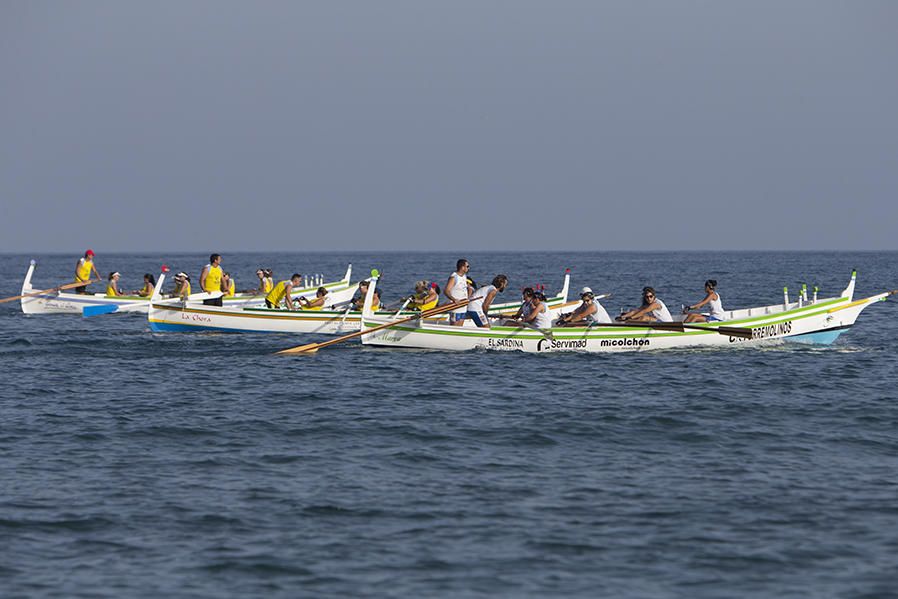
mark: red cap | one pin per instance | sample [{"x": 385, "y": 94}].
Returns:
[
  {"x": 89, "y": 253},
  {"x": 165, "y": 268}
]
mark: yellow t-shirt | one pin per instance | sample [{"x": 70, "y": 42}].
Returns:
[
  {"x": 213, "y": 279},
  {"x": 82, "y": 273},
  {"x": 277, "y": 293}
]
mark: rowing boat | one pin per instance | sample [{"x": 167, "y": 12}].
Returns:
[
  {"x": 64, "y": 302},
  {"x": 166, "y": 316},
  {"x": 816, "y": 321}
]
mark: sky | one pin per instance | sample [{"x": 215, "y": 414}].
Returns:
[{"x": 464, "y": 125}]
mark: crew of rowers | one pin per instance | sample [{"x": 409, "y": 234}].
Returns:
[{"x": 534, "y": 310}]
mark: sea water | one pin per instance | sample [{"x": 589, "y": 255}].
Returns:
[{"x": 200, "y": 465}]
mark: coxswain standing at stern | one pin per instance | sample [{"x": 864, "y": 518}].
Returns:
[
  {"x": 83, "y": 269},
  {"x": 210, "y": 279},
  {"x": 457, "y": 290}
]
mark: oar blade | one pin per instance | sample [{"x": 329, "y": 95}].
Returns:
[
  {"x": 735, "y": 332},
  {"x": 308, "y": 349},
  {"x": 89, "y": 311}
]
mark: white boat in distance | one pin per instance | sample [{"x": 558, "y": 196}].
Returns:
[
  {"x": 65, "y": 302},
  {"x": 164, "y": 316},
  {"x": 816, "y": 321}
]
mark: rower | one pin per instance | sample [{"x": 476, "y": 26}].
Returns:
[
  {"x": 652, "y": 309},
  {"x": 317, "y": 303},
  {"x": 712, "y": 299},
  {"x": 112, "y": 289},
  {"x": 149, "y": 284},
  {"x": 228, "y": 285},
  {"x": 182, "y": 286},
  {"x": 526, "y": 306},
  {"x": 282, "y": 291},
  {"x": 210, "y": 279},
  {"x": 539, "y": 315},
  {"x": 589, "y": 312},
  {"x": 358, "y": 300},
  {"x": 83, "y": 269},
  {"x": 426, "y": 296},
  {"x": 481, "y": 300},
  {"x": 457, "y": 289}
]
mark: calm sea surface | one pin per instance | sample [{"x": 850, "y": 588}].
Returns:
[{"x": 199, "y": 465}]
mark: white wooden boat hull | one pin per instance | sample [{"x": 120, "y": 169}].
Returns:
[
  {"x": 819, "y": 322},
  {"x": 190, "y": 316},
  {"x": 64, "y": 302}
]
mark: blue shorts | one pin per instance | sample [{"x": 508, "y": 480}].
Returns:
[
  {"x": 477, "y": 317},
  {"x": 456, "y": 316},
  {"x": 714, "y": 319}
]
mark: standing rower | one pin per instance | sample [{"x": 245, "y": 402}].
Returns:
[
  {"x": 483, "y": 298},
  {"x": 83, "y": 269},
  {"x": 281, "y": 292},
  {"x": 210, "y": 279},
  {"x": 457, "y": 290}
]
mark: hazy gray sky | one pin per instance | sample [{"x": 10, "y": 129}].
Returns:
[{"x": 233, "y": 126}]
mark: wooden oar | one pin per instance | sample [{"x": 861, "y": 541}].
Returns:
[
  {"x": 60, "y": 288},
  {"x": 679, "y": 327},
  {"x": 311, "y": 348}
]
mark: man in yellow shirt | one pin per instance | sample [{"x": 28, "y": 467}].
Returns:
[
  {"x": 83, "y": 270},
  {"x": 210, "y": 279},
  {"x": 281, "y": 292}
]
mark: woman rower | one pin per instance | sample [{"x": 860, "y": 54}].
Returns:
[
  {"x": 149, "y": 285},
  {"x": 315, "y": 304},
  {"x": 588, "y": 313},
  {"x": 112, "y": 289},
  {"x": 539, "y": 315},
  {"x": 426, "y": 296},
  {"x": 526, "y": 307},
  {"x": 228, "y": 285},
  {"x": 182, "y": 286},
  {"x": 712, "y": 300},
  {"x": 652, "y": 309}
]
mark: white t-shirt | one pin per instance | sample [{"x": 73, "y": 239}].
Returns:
[
  {"x": 717, "y": 308},
  {"x": 543, "y": 319},
  {"x": 478, "y": 296},
  {"x": 459, "y": 290},
  {"x": 662, "y": 314},
  {"x": 600, "y": 316}
]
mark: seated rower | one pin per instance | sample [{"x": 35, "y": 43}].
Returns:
[
  {"x": 358, "y": 300},
  {"x": 281, "y": 292},
  {"x": 182, "y": 285},
  {"x": 149, "y": 285},
  {"x": 375, "y": 301},
  {"x": 539, "y": 315},
  {"x": 426, "y": 296},
  {"x": 588, "y": 313},
  {"x": 112, "y": 289},
  {"x": 315, "y": 304},
  {"x": 652, "y": 309},
  {"x": 228, "y": 285},
  {"x": 526, "y": 308},
  {"x": 712, "y": 300},
  {"x": 482, "y": 299}
]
